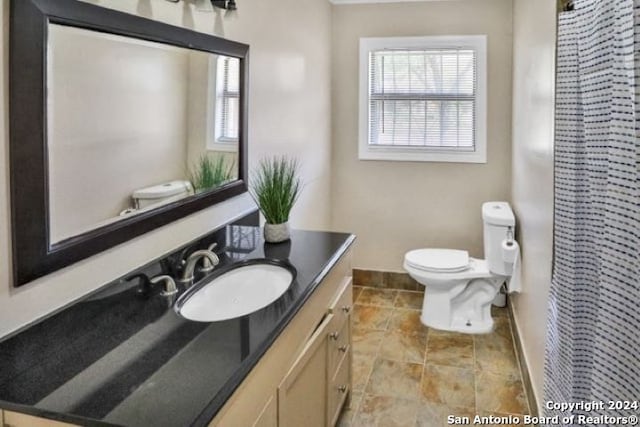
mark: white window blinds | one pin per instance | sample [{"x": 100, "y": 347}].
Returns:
[
  {"x": 422, "y": 98},
  {"x": 228, "y": 99}
]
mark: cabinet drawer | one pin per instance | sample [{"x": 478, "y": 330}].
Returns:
[
  {"x": 339, "y": 388},
  {"x": 342, "y": 305}
]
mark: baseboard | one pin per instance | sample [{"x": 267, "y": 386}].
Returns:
[
  {"x": 524, "y": 369},
  {"x": 385, "y": 279}
]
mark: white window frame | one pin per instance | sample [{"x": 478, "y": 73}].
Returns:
[
  {"x": 215, "y": 142},
  {"x": 425, "y": 154}
]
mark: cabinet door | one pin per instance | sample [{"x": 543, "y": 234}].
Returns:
[
  {"x": 302, "y": 395},
  {"x": 269, "y": 415}
]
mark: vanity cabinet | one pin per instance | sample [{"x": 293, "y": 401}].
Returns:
[
  {"x": 307, "y": 369},
  {"x": 303, "y": 379}
]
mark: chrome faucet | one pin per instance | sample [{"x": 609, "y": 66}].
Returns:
[{"x": 189, "y": 268}]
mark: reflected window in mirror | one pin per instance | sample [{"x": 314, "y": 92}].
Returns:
[{"x": 227, "y": 102}]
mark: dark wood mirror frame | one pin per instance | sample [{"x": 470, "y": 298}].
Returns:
[{"x": 33, "y": 254}]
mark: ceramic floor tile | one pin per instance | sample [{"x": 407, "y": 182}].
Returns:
[
  {"x": 356, "y": 293},
  {"x": 397, "y": 379},
  {"x": 500, "y": 393},
  {"x": 502, "y": 327},
  {"x": 432, "y": 414},
  {"x": 379, "y": 297},
  {"x": 349, "y": 411},
  {"x": 449, "y": 385},
  {"x": 390, "y": 345},
  {"x": 407, "y": 321},
  {"x": 495, "y": 351},
  {"x": 386, "y": 411},
  {"x": 407, "y": 299},
  {"x": 499, "y": 311},
  {"x": 362, "y": 366},
  {"x": 450, "y": 349},
  {"x": 370, "y": 317},
  {"x": 367, "y": 341},
  {"x": 404, "y": 347}
]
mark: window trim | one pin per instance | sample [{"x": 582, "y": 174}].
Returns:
[
  {"x": 216, "y": 142},
  {"x": 425, "y": 154}
]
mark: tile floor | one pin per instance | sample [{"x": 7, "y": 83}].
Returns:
[{"x": 405, "y": 374}]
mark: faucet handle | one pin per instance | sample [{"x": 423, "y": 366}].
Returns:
[
  {"x": 207, "y": 264},
  {"x": 170, "y": 287}
]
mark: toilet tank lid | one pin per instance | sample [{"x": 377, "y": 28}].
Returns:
[
  {"x": 498, "y": 213},
  {"x": 159, "y": 191}
]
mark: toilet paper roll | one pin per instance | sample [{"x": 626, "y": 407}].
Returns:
[
  {"x": 510, "y": 251},
  {"x": 511, "y": 255}
]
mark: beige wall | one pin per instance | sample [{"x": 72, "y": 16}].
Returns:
[
  {"x": 533, "y": 126},
  {"x": 397, "y": 206},
  {"x": 289, "y": 113}
]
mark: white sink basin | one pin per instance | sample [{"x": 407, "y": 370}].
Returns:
[{"x": 236, "y": 293}]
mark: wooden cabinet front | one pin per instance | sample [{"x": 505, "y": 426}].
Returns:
[
  {"x": 302, "y": 394},
  {"x": 15, "y": 419}
]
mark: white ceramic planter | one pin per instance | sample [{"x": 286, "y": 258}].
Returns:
[{"x": 276, "y": 233}]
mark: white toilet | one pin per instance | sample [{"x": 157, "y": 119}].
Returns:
[
  {"x": 161, "y": 194},
  {"x": 459, "y": 289}
]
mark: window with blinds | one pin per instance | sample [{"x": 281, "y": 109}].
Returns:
[
  {"x": 422, "y": 95},
  {"x": 227, "y": 99}
]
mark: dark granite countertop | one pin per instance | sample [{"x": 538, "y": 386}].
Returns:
[{"x": 123, "y": 356}]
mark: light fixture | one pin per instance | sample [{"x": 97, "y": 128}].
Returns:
[
  {"x": 222, "y": 4},
  {"x": 225, "y": 4}
]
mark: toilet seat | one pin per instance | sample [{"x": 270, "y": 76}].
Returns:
[{"x": 438, "y": 260}]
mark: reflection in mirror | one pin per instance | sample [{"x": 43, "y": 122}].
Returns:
[{"x": 134, "y": 125}]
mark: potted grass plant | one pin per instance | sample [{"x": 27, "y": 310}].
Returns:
[{"x": 275, "y": 186}]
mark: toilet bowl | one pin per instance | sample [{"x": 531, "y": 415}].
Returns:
[{"x": 459, "y": 289}]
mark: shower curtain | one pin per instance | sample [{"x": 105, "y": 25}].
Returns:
[{"x": 593, "y": 335}]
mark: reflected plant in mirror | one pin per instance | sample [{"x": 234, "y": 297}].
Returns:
[
  {"x": 275, "y": 186},
  {"x": 209, "y": 173}
]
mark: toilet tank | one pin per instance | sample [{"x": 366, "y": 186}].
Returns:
[
  {"x": 497, "y": 218},
  {"x": 161, "y": 194}
]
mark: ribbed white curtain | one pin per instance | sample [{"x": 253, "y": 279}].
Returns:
[{"x": 593, "y": 337}]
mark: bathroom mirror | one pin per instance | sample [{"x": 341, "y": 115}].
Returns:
[{"x": 119, "y": 125}]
